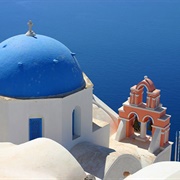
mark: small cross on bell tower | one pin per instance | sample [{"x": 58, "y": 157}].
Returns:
[{"x": 30, "y": 31}]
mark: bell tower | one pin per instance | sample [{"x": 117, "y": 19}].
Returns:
[{"x": 134, "y": 110}]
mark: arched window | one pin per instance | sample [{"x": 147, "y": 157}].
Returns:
[{"x": 76, "y": 123}]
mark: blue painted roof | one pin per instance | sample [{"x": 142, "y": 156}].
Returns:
[{"x": 35, "y": 67}]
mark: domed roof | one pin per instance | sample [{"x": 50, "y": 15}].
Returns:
[{"x": 37, "y": 66}]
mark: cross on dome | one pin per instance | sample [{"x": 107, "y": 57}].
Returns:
[
  {"x": 30, "y": 24},
  {"x": 30, "y": 31}
]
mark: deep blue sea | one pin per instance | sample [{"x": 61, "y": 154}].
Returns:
[{"x": 116, "y": 42}]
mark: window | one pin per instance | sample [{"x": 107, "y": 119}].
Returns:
[
  {"x": 76, "y": 123},
  {"x": 35, "y": 128}
]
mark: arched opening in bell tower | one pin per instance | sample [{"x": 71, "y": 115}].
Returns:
[
  {"x": 145, "y": 91},
  {"x": 136, "y": 124},
  {"x": 141, "y": 127},
  {"x": 149, "y": 127},
  {"x": 148, "y": 122},
  {"x": 145, "y": 95}
]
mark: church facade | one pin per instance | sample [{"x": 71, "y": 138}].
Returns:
[{"x": 44, "y": 93}]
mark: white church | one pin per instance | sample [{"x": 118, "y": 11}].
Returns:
[{"x": 44, "y": 93}]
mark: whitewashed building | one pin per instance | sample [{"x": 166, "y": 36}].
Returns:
[{"x": 44, "y": 93}]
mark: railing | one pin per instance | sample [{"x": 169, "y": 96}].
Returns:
[{"x": 177, "y": 147}]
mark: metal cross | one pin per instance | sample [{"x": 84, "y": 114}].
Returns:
[
  {"x": 30, "y": 24},
  {"x": 30, "y": 31}
]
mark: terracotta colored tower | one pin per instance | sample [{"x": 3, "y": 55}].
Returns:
[{"x": 135, "y": 115}]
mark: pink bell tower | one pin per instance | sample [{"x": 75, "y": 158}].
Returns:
[{"x": 134, "y": 109}]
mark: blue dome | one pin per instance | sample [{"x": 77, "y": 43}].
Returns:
[{"x": 35, "y": 67}]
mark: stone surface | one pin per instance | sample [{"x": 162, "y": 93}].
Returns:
[{"x": 127, "y": 156}]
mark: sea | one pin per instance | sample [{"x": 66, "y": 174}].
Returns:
[{"x": 117, "y": 42}]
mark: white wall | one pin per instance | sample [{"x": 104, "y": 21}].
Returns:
[
  {"x": 20, "y": 111},
  {"x": 155, "y": 142},
  {"x": 3, "y": 118},
  {"x": 165, "y": 155},
  {"x": 82, "y": 99},
  {"x": 101, "y": 136},
  {"x": 56, "y": 114}
]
